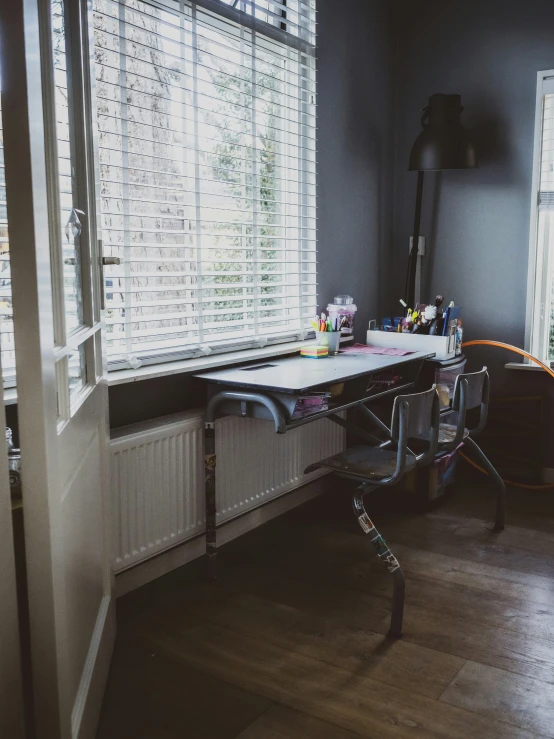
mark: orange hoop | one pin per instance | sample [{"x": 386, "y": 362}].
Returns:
[{"x": 511, "y": 348}]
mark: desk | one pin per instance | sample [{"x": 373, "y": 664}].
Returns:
[{"x": 270, "y": 390}]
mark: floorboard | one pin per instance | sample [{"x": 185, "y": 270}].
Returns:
[
  {"x": 339, "y": 636},
  {"x": 290, "y": 642},
  {"x": 502, "y": 695},
  {"x": 519, "y": 653},
  {"x": 153, "y": 696},
  {"x": 280, "y": 722},
  {"x": 354, "y": 702}
]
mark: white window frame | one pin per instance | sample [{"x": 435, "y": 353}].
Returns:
[{"x": 538, "y": 314}]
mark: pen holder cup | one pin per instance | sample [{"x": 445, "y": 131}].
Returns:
[{"x": 330, "y": 339}]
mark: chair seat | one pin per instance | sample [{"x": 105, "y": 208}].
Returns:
[
  {"x": 447, "y": 433},
  {"x": 365, "y": 462}
]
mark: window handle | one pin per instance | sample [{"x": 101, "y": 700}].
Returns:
[{"x": 104, "y": 262}]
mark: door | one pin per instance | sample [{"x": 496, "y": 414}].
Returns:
[
  {"x": 62, "y": 395},
  {"x": 11, "y": 696}
]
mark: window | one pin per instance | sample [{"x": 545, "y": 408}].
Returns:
[
  {"x": 71, "y": 255},
  {"x": 206, "y": 116},
  {"x": 540, "y": 328}
]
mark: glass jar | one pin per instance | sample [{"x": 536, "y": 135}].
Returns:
[{"x": 344, "y": 309}]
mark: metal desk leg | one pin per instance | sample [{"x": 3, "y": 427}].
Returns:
[
  {"x": 501, "y": 496},
  {"x": 210, "y": 457},
  {"x": 385, "y": 554},
  {"x": 209, "y": 480}
]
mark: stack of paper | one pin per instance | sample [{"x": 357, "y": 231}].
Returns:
[{"x": 314, "y": 352}]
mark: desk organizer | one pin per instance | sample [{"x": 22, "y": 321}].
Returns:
[{"x": 443, "y": 346}]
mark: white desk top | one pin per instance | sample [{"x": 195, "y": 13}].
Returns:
[{"x": 300, "y": 374}]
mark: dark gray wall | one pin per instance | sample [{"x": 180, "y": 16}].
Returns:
[
  {"x": 355, "y": 93},
  {"x": 354, "y": 191},
  {"x": 476, "y": 221}
]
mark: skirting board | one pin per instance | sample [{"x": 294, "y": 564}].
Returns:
[
  {"x": 88, "y": 702},
  {"x": 169, "y": 560}
]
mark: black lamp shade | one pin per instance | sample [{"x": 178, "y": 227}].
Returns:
[{"x": 444, "y": 143}]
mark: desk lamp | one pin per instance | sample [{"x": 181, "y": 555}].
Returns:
[{"x": 443, "y": 144}]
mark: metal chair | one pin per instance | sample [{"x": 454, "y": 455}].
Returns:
[
  {"x": 414, "y": 416},
  {"x": 471, "y": 391}
]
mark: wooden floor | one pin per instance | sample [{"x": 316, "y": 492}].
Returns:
[{"x": 290, "y": 642}]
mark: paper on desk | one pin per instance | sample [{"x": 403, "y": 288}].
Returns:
[{"x": 364, "y": 349}]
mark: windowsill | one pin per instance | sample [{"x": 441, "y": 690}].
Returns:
[
  {"x": 164, "y": 369},
  {"x": 523, "y": 366},
  {"x": 199, "y": 364}
]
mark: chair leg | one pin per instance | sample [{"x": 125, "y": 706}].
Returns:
[
  {"x": 384, "y": 553},
  {"x": 501, "y": 497}
]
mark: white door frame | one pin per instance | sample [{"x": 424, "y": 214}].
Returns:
[
  {"x": 44, "y": 472},
  {"x": 30, "y": 263}
]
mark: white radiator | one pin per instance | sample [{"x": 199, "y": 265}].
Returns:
[{"x": 157, "y": 477}]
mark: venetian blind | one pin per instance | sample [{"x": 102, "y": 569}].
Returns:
[{"x": 207, "y": 152}]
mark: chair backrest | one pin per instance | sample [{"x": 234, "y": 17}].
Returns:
[
  {"x": 417, "y": 416},
  {"x": 472, "y": 391}
]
